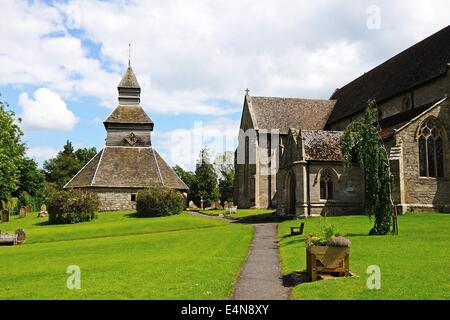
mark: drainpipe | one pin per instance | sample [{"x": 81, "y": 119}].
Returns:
[{"x": 308, "y": 188}]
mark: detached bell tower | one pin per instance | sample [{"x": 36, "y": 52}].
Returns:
[{"x": 128, "y": 162}]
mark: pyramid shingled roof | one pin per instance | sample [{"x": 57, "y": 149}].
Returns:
[{"x": 129, "y": 80}]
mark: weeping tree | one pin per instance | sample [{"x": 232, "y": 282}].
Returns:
[{"x": 362, "y": 139}]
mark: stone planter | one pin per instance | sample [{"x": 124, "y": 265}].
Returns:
[{"x": 324, "y": 259}]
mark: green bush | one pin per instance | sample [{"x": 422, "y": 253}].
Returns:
[
  {"x": 74, "y": 206},
  {"x": 158, "y": 202}
]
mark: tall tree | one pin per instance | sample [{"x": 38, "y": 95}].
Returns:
[
  {"x": 12, "y": 151},
  {"x": 84, "y": 155},
  {"x": 189, "y": 179},
  {"x": 31, "y": 179},
  {"x": 63, "y": 167},
  {"x": 224, "y": 165},
  {"x": 206, "y": 176},
  {"x": 361, "y": 138}
]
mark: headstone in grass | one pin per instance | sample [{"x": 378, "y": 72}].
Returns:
[
  {"x": 43, "y": 212},
  {"x": 28, "y": 209},
  {"x": 192, "y": 205},
  {"x": 5, "y": 216},
  {"x": 22, "y": 212},
  {"x": 21, "y": 236}
]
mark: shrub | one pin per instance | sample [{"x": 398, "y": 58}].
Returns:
[
  {"x": 158, "y": 202},
  {"x": 74, "y": 206}
]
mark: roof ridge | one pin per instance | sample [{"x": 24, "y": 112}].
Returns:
[
  {"x": 98, "y": 165},
  {"x": 79, "y": 171},
  {"x": 157, "y": 166}
]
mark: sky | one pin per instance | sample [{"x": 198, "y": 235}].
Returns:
[{"x": 61, "y": 61}]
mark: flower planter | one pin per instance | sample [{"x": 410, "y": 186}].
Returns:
[{"x": 325, "y": 259}]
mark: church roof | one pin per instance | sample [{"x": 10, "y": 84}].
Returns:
[
  {"x": 133, "y": 114},
  {"x": 284, "y": 113},
  {"x": 127, "y": 167},
  {"x": 417, "y": 65},
  {"x": 129, "y": 79},
  {"x": 322, "y": 145}
]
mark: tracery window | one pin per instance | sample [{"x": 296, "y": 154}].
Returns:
[
  {"x": 326, "y": 185},
  {"x": 431, "y": 151}
]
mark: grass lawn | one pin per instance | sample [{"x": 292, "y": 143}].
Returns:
[
  {"x": 125, "y": 257},
  {"x": 414, "y": 264}
]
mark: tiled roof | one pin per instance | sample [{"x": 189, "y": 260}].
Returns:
[
  {"x": 129, "y": 114},
  {"x": 419, "y": 64},
  {"x": 285, "y": 113},
  {"x": 322, "y": 145},
  {"x": 127, "y": 167}
]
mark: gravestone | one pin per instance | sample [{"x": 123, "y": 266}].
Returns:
[
  {"x": 5, "y": 216},
  {"x": 29, "y": 208},
  {"x": 21, "y": 236},
  {"x": 43, "y": 212},
  {"x": 192, "y": 205},
  {"x": 22, "y": 212}
]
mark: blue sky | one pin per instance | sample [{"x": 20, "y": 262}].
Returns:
[{"x": 61, "y": 61}]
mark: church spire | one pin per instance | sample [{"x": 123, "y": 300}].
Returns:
[{"x": 129, "y": 88}]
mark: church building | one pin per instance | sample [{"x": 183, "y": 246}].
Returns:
[
  {"x": 128, "y": 162},
  {"x": 411, "y": 91}
]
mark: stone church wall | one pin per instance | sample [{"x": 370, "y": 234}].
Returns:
[
  {"x": 425, "y": 193},
  {"x": 348, "y": 187}
]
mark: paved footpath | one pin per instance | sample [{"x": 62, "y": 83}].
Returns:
[{"x": 260, "y": 277}]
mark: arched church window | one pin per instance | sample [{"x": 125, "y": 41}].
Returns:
[
  {"x": 326, "y": 185},
  {"x": 431, "y": 152}
]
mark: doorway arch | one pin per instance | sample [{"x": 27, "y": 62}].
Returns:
[{"x": 290, "y": 194}]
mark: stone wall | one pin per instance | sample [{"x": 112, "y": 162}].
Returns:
[
  {"x": 424, "y": 193},
  {"x": 254, "y": 187},
  {"x": 348, "y": 187},
  {"x": 115, "y": 199}
]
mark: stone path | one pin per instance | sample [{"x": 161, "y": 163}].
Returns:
[{"x": 260, "y": 277}]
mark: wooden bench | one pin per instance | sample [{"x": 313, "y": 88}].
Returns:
[{"x": 297, "y": 231}]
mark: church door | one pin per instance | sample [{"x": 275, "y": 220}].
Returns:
[{"x": 290, "y": 194}]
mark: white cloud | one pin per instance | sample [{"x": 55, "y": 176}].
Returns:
[
  {"x": 46, "y": 110},
  {"x": 191, "y": 55},
  {"x": 182, "y": 146},
  {"x": 41, "y": 153}
]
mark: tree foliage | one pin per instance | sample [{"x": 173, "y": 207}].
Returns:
[
  {"x": 12, "y": 151},
  {"x": 206, "y": 179},
  {"x": 362, "y": 139},
  {"x": 67, "y": 163},
  {"x": 224, "y": 165},
  {"x": 189, "y": 179}
]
